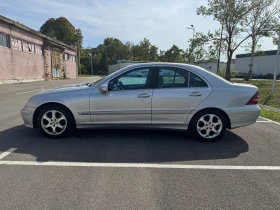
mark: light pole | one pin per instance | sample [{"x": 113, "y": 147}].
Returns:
[
  {"x": 276, "y": 66},
  {"x": 192, "y": 28},
  {"x": 91, "y": 61}
]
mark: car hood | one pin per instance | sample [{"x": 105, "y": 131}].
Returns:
[{"x": 63, "y": 89}]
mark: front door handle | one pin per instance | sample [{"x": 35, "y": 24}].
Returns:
[
  {"x": 196, "y": 94},
  {"x": 143, "y": 95}
]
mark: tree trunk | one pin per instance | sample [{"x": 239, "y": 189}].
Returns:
[
  {"x": 248, "y": 76},
  {"x": 229, "y": 57}
]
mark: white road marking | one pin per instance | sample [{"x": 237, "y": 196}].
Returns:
[
  {"x": 140, "y": 165},
  {"x": 277, "y": 123},
  {"x": 31, "y": 91},
  {"x": 263, "y": 121},
  {"x": 9, "y": 151}
]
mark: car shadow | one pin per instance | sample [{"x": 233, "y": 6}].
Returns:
[{"x": 118, "y": 146}]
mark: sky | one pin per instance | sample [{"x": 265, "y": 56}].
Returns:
[{"x": 163, "y": 22}]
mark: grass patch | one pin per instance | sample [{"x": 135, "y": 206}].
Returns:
[
  {"x": 265, "y": 87},
  {"x": 269, "y": 114}
]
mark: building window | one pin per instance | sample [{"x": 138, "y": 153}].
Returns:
[
  {"x": 72, "y": 58},
  {"x": 68, "y": 57},
  {"x": 38, "y": 49},
  {"x": 4, "y": 41},
  {"x": 16, "y": 44}
]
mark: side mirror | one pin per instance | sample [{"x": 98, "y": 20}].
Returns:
[{"x": 103, "y": 88}]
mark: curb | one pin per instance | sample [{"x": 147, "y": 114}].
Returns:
[
  {"x": 16, "y": 81},
  {"x": 270, "y": 108}
]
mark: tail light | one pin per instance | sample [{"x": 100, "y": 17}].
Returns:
[{"x": 254, "y": 99}]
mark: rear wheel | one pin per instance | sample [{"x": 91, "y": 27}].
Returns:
[
  {"x": 208, "y": 125},
  {"x": 55, "y": 121}
]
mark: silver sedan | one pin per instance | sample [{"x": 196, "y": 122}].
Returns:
[{"x": 150, "y": 95}]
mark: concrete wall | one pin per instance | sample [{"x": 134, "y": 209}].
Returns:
[
  {"x": 115, "y": 67},
  {"x": 6, "y": 70},
  {"x": 27, "y": 66},
  {"x": 70, "y": 69},
  {"x": 261, "y": 64}
]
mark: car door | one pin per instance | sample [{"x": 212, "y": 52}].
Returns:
[
  {"x": 178, "y": 92},
  {"x": 127, "y": 101}
]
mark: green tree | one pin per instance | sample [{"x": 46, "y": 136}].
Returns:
[
  {"x": 174, "y": 54},
  {"x": 60, "y": 29},
  {"x": 230, "y": 14}
]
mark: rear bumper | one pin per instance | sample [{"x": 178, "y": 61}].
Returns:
[
  {"x": 27, "y": 116},
  {"x": 243, "y": 116}
]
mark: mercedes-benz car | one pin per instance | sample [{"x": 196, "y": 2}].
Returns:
[{"x": 167, "y": 96}]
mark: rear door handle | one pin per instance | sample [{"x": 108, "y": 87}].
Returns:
[
  {"x": 143, "y": 95},
  {"x": 196, "y": 94}
]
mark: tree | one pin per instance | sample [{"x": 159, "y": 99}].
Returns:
[
  {"x": 230, "y": 14},
  {"x": 60, "y": 29},
  {"x": 174, "y": 54},
  {"x": 258, "y": 23}
]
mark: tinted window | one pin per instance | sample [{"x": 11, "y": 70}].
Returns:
[
  {"x": 172, "y": 78},
  {"x": 196, "y": 81},
  {"x": 132, "y": 80}
]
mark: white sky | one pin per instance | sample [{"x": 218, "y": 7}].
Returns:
[{"x": 163, "y": 22}]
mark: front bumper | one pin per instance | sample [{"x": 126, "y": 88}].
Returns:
[
  {"x": 27, "y": 115},
  {"x": 242, "y": 116}
]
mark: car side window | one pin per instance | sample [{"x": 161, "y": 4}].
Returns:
[
  {"x": 132, "y": 80},
  {"x": 172, "y": 78},
  {"x": 196, "y": 81}
]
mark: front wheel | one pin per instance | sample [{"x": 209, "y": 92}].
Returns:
[
  {"x": 208, "y": 125},
  {"x": 55, "y": 121}
]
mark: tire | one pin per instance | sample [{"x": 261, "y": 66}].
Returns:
[
  {"x": 55, "y": 121},
  {"x": 201, "y": 125}
]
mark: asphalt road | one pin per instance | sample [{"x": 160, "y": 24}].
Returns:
[{"x": 112, "y": 169}]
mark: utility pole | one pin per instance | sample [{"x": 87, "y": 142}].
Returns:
[
  {"x": 91, "y": 62},
  {"x": 276, "y": 66},
  {"x": 79, "y": 66},
  {"x": 218, "y": 64}
]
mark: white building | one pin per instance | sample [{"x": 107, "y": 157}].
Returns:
[
  {"x": 212, "y": 65},
  {"x": 263, "y": 63}
]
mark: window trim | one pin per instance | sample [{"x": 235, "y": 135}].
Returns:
[{"x": 150, "y": 85}]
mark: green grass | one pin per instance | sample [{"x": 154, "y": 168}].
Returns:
[
  {"x": 265, "y": 87},
  {"x": 272, "y": 115}
]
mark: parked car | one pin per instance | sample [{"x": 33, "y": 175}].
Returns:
[
  {"x": 200, "y": 101},
  {"x": 278, "y": 76},
  {"x": 256, "y": 76},
  {"x": 268, "y": 76}
]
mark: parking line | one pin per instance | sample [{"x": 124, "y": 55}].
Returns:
[
  {"x": 9, "y": 151},
  {"x": 277, "y": 123},
  {"x": 140, "y": 165}
]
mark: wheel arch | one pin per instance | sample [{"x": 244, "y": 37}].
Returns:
[
  {"x": 39, "y": 108},
  {"x": 228, "y": 122}
]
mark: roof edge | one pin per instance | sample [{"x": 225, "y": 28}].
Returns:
[{"x": 19, "y": 25}]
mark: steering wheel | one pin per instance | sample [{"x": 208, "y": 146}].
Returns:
[{"x": 118, "y": 85}]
